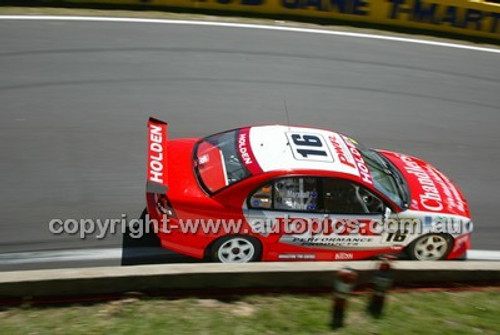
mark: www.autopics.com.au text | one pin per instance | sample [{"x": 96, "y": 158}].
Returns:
[{"x": 137, "y": 228}]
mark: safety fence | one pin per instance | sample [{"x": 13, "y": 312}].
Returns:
[{"x": 480, "y": 18}]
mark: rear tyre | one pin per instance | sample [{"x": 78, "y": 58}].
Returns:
[
  {"x": 236, "y": 249},
  {"x": 431, "y": 247}
]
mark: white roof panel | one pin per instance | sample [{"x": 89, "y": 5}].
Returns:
[{"x": 278, "y": 147}]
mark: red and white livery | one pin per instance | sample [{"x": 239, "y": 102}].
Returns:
[{"x": 279, "y": 192}]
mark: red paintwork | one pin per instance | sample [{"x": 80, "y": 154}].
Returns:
[
  {"x": 213, "y": 174},
  {"x": 190, "y": 201},
  {"x": 422, "y": 177}
]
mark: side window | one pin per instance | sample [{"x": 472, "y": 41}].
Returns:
[
  {"x": 292, "y": 194},
  {"x": 296, "y": 193},
  {"x": 263, "y": 197},
  {"x": 345, "y": 197}
]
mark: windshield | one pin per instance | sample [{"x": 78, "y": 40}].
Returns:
[
  {"x": 385, "y": 177},
  {"x": 217, "y": 162}
]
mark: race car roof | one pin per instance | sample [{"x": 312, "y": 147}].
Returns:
[{"x": 278, "y": 147}]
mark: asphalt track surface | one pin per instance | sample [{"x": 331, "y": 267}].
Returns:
[{"x": 75, "y": 98}]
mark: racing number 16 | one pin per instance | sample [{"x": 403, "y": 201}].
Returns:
[
  {"x": 309, "y": 147},
  {"x": 308, "y": 141}
]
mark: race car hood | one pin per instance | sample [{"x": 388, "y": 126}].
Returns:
[{"x": 430, "y": 190}]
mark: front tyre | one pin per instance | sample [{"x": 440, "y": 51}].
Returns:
[
  {"x": 236, "y": 249},
  {"x": 430, "y": 247}
]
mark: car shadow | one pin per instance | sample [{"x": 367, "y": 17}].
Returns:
[{"x": 148, "y": 250}]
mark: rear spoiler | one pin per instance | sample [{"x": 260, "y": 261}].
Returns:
[{"x": 157, "y": 174}]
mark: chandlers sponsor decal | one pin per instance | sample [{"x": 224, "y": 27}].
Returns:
[
  {"x": 453, "y": 198},
  {"x": 156, "y": 152},
  {"x": 430, "y": 197},
  {"x": 360, "y": 163}
]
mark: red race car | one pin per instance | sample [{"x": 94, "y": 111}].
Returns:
[{"x": 276, "y": 193}]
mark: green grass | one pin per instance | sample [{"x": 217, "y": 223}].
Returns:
[{"x": 419, "y": 313}]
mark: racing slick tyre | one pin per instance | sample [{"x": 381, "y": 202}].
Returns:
[
  {"x": 235, "y": 249},
  {"x": 430, "y": 247}
]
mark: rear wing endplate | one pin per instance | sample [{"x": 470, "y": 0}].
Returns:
[{"x": 157, "y": 174}]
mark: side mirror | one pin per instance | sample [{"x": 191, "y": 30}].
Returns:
[{"x": 387, "y": 214}]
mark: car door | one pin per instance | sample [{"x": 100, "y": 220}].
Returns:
[
  {"x": 356, "y": 216},
  {"x": 283, "y": 207},
  {"x": 318, "y": 213}
]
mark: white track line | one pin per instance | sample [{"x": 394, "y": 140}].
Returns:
[
  {"x": 83, "y": 255},
  {"x": 250, "y": 26},
  {"x": 483, "y": 255},
  {"x": 58, "y": 256}
]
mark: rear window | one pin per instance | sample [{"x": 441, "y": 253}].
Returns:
[{"x": 217, "y": 162}]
